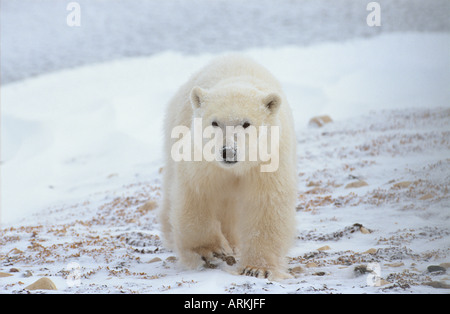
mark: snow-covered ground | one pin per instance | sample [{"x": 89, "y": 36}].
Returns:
[{"x": 81, "y": 154}]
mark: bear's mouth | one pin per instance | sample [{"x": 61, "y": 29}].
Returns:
[{"x": 229, "y": 162}]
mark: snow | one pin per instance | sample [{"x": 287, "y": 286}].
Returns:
[
  {"x": 81, "y": 155},
  {"x": 36, "y": 38}
]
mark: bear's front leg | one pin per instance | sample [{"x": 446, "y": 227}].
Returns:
[
  {"x": 268, "y": 229},
  {"x": 197, "y": 231}
]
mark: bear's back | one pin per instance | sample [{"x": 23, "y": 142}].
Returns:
[{"x": 233, "y": 65}]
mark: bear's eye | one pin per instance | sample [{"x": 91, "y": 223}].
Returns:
[
  {"x": 246, "y": 125},
  {"x": 214, "y": 123}
]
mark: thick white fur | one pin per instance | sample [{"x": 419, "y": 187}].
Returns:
[{"x": 208, "y": 209}]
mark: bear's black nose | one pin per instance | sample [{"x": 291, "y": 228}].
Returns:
[{"x": 229, "y": 155}]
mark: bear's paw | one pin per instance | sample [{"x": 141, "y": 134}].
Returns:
[{"x": 265, "y": 273}]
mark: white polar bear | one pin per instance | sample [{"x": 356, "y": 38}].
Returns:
[{"x": 220, "y": 208}]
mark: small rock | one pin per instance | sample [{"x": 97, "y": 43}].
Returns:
[
  {"x": 4, "y": 275},
  {"x": 27, "y": 273},
  {"x": 150, "y": 205},
  {"x": 361, "y": 228},
  {"x": 15, "y": 251},
  {"x": 437, "y": 284},
  {"x": 297, "y": 270},
  {"x": 316, "y": 190},
  {"x": 426, "y": 197},
  {"x": 383, "y": 282},
  {"x": 319, "y": 273},
  {"x": 171, "y": 259},
  {"x": 361, "y": 270},
  {"x": 371, "y": 251},
  {"x": 395, "y": 264},
  {"x": 154, "y": 260},
  {"x": 402, "y": 185},
  {"x": 311, "y": 265},
  {"x": 13, "y": 270},
  {"x": 324, "y": 248},
  {"x": 436, "y": 269},
  {"x": 445, "y": 265},
  {"x": 356, "y": 184},
  {"x": 320, "y": 121},
  {"x": 42, "y": 284},
  {"x": 313, "y": 183}
]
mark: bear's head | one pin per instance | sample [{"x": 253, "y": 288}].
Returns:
[{"x": 237, "y": 124}]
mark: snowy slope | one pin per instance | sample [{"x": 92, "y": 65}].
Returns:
[{"x": 81, "y": 154}]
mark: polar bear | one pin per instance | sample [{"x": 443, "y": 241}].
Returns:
[{"x": 225, "y": 208}]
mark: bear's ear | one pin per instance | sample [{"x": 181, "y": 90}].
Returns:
[
  {"x": 272, "y": 102},
  {"x": 197, "y": 97}
]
